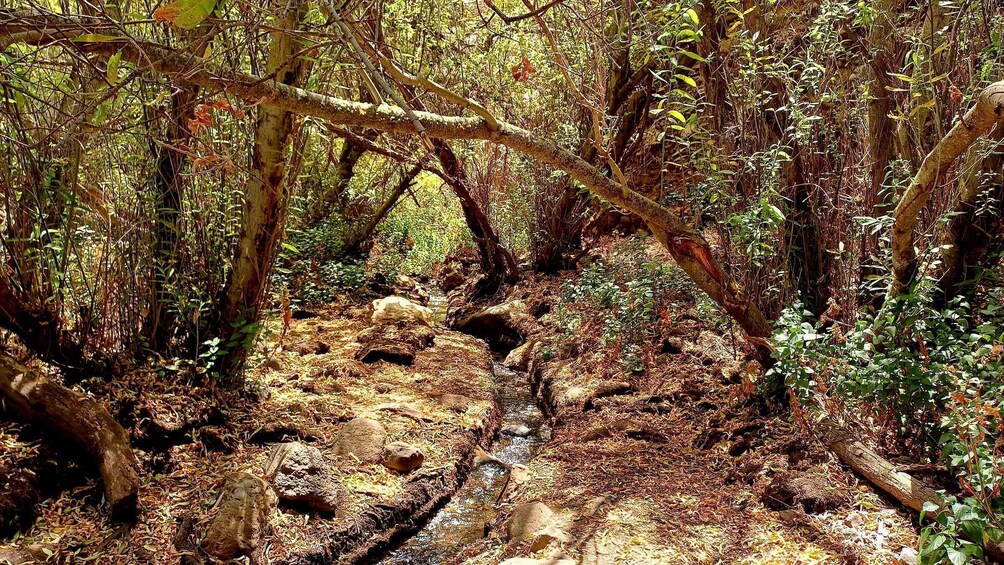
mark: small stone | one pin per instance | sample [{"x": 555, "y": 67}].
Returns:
[
  {"x": 518, "y": 430},
  {"x": 300, "y": 475},
  {"x": 907, "y": 556},
  {"x": 519, "y": 474},
  {"x": 402, "y": 457},
  {"x": 452, "y": 278},
  {"x": 519, "y": 358},
  {"x": 362, "y": 438},
  {"x": 383, "y": 388},
  {"x": 274, "y": 363},
  {"x": 528, "y": 519}
]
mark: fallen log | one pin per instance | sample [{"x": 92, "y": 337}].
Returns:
[
  {"x": 67, "y": 413},
  {"x": 911, "y": 492}
]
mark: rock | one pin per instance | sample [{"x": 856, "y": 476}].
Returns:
[
  {"x": 395, "y": 343},
  {"x": 907, "y": 556},
  {"x": 519, "y": 358},
  {"x": 399, "y": 309},
  {"x": 242, "y": 518},
  {"x": 502, "y": 326},
  {"x": 550, "y": 533},
  {"x": 313, "y": 347},
  {"x": 518, "y": 430},
  {"x": 528, "y": 519},
  {"x": 30, "y": 555},
  {"x": 273, "y": 363},
  {"x": 519, "y": 474},
  {"x": 362, "y": 438},
  {"x": 383, "y": 388},
  {"x": 809, "y": 491},
  {"x": 455, "y": 402},
  {"x": 451, "y": 278},
  {"x": 300, "y": 475},
  {"x": 397, "y": 353},
  {"x": 406, "y": 410},
  {"x": 402, "y": 457},
  {"x": 405, "y": 282}
]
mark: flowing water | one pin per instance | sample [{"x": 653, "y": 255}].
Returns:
[{"x": 462, "y": 521}]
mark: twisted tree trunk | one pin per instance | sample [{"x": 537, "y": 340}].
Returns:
[
  {"x": 358, "y": 240},
  {"x": 985, "y": 114},
  {"x": 266, "y": 202}
]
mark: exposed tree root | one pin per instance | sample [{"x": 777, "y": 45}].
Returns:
[{"x": 31, "y": 397}]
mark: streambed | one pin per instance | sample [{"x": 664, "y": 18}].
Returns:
[{"x": 461, "y": 522}]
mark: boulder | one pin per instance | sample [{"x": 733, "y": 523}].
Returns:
[
  {"x": 396, "y": 353},
  {"x": 399, "y": 309},
  {"x": 451, "y": 278},
  {"x": 907, "y": 556},
  {"x": 519, "y": 358},
  {"x": 528, "y": 519},
  {"x": 502, "y": 326},
  {"x": 300, "y": 475},
  {"x": 242, "y": 518},
  {"x": 402, "y": 457},
  {"x": 361, "y": 438}
]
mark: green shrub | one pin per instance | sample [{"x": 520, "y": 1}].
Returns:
[{"x": 934, "y": 372}]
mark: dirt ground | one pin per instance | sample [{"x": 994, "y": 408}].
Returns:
[
  {"x": 681, "y": 464},
  {"x": 442, "y": 403}
]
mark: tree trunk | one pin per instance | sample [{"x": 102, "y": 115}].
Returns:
[
  {"x": 497, "y": 262},
  {"x": 881, "y": 128},
  {"x": 978, "y": 121},
  {"x": 266, "y": 204},
  {"x": 972, "y": 230},
  {"x": 354, "y": 246},
  {"x": 84, "y": 421},
  {"x": 686, "y": 244},
  {"x": 168, "y": 196},
  {"x": 913, "y": 493}
]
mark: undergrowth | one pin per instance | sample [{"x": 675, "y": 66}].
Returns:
[
  {"x": 927, "y": 376},
  {"x": 623, "y": 303}
]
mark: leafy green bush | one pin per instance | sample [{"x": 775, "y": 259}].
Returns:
[
  {"x": 625, "y": 300},
  {"x": 933, "y": 372}
]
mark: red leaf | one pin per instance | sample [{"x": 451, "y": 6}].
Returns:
[{"x": 522, "y": 71}]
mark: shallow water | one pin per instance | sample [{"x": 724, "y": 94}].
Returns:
[{"x": 462, "y": 521}]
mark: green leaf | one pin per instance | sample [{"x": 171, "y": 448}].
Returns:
[
  {"x": 692, "y": 14},
  {"x": 678, "y": 116},
  {"x": 113, "y": 67},
  {"x": 94, "y": 38},
  {"x": 185, "y": 14},
  {"x": 687, "y": 80}
]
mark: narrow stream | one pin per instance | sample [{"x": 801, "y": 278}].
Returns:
[{"x": 462, "y": 521}]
